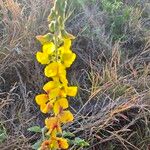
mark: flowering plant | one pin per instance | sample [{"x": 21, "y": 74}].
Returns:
[{"x": 57, "y": 55}]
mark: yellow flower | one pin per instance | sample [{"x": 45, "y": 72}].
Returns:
[
  {"x": 54, "y": 93},
  {"x": 52, "y": 88},
  {"x": 62, "y": 143},
  {"x": 68, "y": 91},
  {"x": 68, "y": 58},
  {"x": 48, "y": 48},
  {"x": 46, "y": 108},
  {"x": 66, "y": 116},
  {"x": 56, "y": 70},
  {"x": 56, "y": 89},
  {"x": 50, "y": 85},
  {"x": 66, "y": 46},
  {"x": 44, "y": 56},
  {"x": 53, "y": 124},
  {"x": 46, "y": 145},
  {"x": 59, "y": 105},
  {"x": 43, "y": 101},
  {"x": 54, "y": 143},
  {"x": 66, "y": 55},
  {"x": 71, "y": 91}
]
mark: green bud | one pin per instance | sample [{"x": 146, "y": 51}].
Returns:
[
  {"x": 52, "y": 15},
  {"x": 45, "y": 38},
  {"x": 60, "y": 6},
  {"x": 52, "y": 26},
  {"x": 61, "y": 22},
  {"x": 66, "y": 35}
]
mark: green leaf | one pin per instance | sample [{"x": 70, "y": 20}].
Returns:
[
  {"x": 80, "y": 142},
  {"x": 35, "y": 129},
  {"x": 37, "y": 145},
  {"x": 67, "y": 134},
  {"x": 3, "y": 134},
  {"x": 70, "y": 142},
  {"x": 2, "y": 137}
]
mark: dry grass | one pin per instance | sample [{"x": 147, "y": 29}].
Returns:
[{"x": 113, "y": 104}]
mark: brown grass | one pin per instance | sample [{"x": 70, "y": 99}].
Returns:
[{"x": 112, "y": 107}]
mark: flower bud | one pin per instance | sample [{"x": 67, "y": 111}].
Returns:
[{"x": 45, "y": 38}]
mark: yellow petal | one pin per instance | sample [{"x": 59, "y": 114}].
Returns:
[
  {"x": 68, "y": 59},
  {"x": 49, "y": 86},
  {"x": 42, "y": 58},
  {"x": 43, "y": 108},
  {"x": 63, "y": 144},
  {"x": 63, "y": 102},
  {"x": 59, "y": 105},
  {"x": 61, "y": 49},
  {"x": 63, "y": 79},
  {"x": 54, "y": 133},
  {"x": 62, "y": 93},
  {"x": 62, "y": 73},
  {"x": 51, "y": 70},
  {"x": 71, "y": 91},
  {"x": 53, "y": 124},
  {"x": 54, "y": 144},
  {"x": 66, "y": 116},
  {"x": 45, "y": 145},
  {"x": 47, "y": 107},
  {"x": 54, "y": 93},
  {"x": 41, "y": 99},
  {"x": 61, "y": 69},
  {"x": 49, "y": 48},
  {"x": 66, "y": 46},
  {"x": 67, "y": 43}
]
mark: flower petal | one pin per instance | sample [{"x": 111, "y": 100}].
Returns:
[
  {"x": 51, "y": 70},
  {"x": 41, "y": 99},
  {"x": 48, "y": 48},
  {"x": 45, "y": 145},
  {"x": 61, "y": 69},
  {"x": 59, "y": 105},
  {"x": 68, "y": 59},
  {"x": 63, "y": 144},
  {"x": 66, "y": 46},
  {"x": 62, "y": 93},
  {"x": 42, "y": 58},
  {"x": 62, "y": 73},
  {"x": 47, "y": 107},
  {"x": 54, "y": 93},
  {"x": 66, "y": 116},
  {"x": 43, "y": 108},
  {"x": 67, "y": 43},
  {"x": 49, "y": 86},
  {"x": 71, "y": 91},
  {"x": 52, "y": 124}
]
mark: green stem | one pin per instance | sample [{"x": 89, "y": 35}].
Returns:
[
  {"x": 56, "y": 32},
  {"x": 43, "y": 133},
  {"x": 56, "y": 47}
]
